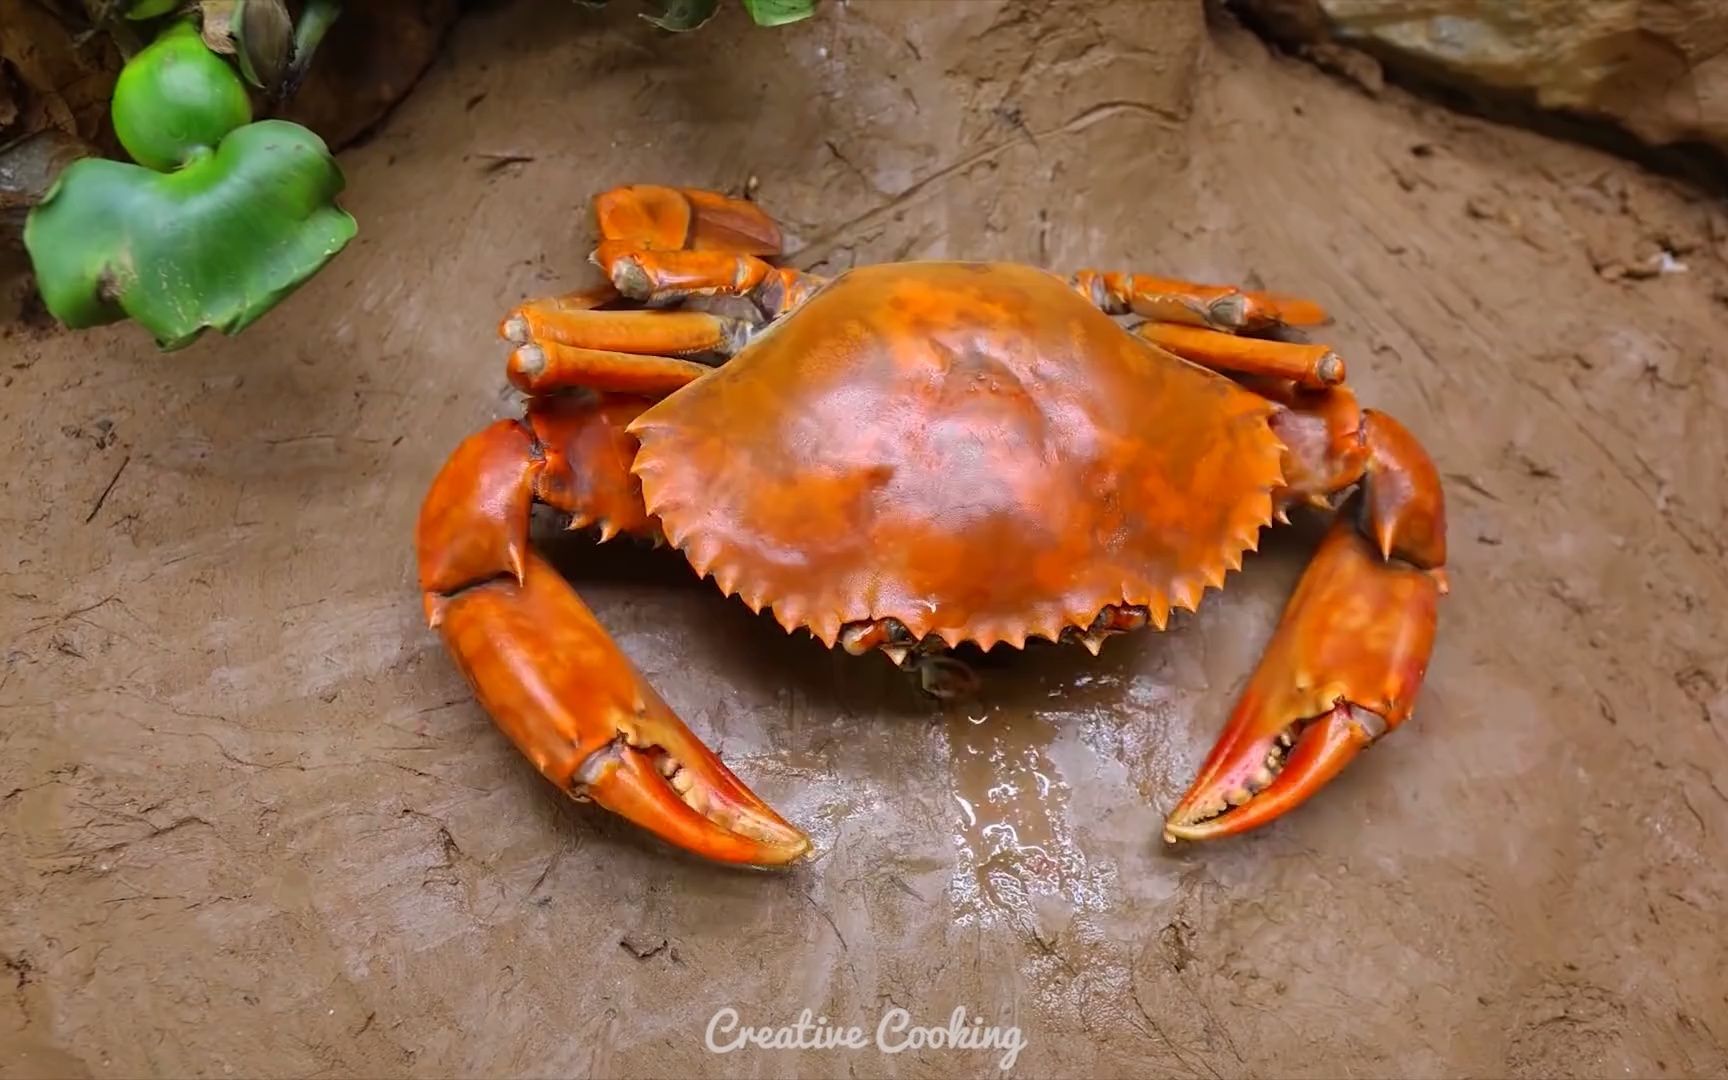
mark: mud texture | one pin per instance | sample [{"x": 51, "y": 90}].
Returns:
[{"x": 251, "y": 822}]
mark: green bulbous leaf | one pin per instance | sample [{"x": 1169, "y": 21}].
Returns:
[
  {"x": 175, "y": 98},
  {"x": 779, "y": 12},
  {"x": 217, "y": 243}
]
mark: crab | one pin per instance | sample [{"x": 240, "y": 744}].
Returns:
[{"x": 912, "y": 456}]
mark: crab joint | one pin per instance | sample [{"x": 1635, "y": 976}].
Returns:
[
  {"x": 1111, "y": 620},
  {"x": 886, "y": 634}
]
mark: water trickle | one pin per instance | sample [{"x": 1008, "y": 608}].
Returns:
[{"x": 1014, "y": 837}]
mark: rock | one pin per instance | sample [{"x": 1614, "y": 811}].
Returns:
[
  {"x": 1348, "y": 63},
  {"x": 1657, "y": 69},
  {"x": 374, "y": 55},
  {"x": 28, "y": 168}
]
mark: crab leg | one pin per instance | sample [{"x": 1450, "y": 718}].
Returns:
[
  {"x": 660, "y": 277},
  {"x": 1313, "y": 367},
  {"x": 676, "y": 333},
  {"x": 540, "y": 367},
  {"x": 1322, "y": 435},
  {"x": 549, "y": 675},
  {"x": 661, "y": 245},
  {"x": 1347, "y": 660},
  {"x": 1217, "y": 307},
  {"x": 685, "y": 219},
  {"x": 563, "y": 344}
]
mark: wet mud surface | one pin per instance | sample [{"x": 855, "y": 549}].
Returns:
[{"x": 252, "y": 823}]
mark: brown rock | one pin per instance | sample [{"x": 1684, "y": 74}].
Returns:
[
  {"x": 28, "y": 168},
  {"x": 1655, "y": 68},
  {"x": 1347, "y": 63},
  {"x": 373, "y": 56}
]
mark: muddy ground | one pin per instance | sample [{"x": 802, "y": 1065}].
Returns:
[{"x": 251, "y": 822}]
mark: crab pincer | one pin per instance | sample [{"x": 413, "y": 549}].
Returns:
[
  {"x": 1348, "y": 657},
  {"x": 1343, "y": 669},
  {"x": 538, "y": 661}
]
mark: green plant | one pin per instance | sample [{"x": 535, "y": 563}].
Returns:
[
  {"x": 174, "y": 98},
  {"x": 684, "y": 15},
  {"x": 221, "y": 217}
]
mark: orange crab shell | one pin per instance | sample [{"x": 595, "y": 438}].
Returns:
[{"x": 964, "y": 448}]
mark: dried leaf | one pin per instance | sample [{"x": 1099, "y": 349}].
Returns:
[
  {"x": 218, "y": 24},
  {"x": 264, "y": 35},
  {"x": 682, "y": 16}
]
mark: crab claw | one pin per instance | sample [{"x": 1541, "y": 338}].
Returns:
[
  {"x": 558, "y": 686},
  {"x": 1245, "y": 790},
  {"x": 1343, "y": 668}
]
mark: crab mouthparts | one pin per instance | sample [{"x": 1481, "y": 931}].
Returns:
[
  {"x": 694, "y": 803},
  {"x": 1262, "y": 779}
]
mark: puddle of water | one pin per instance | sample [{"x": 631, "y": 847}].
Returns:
[{"x": 1018, "y": 860}]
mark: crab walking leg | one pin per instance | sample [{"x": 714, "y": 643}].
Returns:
[
  {"x": 685, "y": 219},
  {"x": 1217, "y": 307},
  {"x": 710, "y": 228},
  {"x": 1347, "y": 660},
  {"x": 609, "y": 351},
  {"x": 549, "y": 675},
  {"x": 661, "y": 245},
  {"x": 545, "y": 310},
  {"x": 1313, "y": 367},
  {"x": 659, "y": 277},
  {"x": 542, "y": 367},
  {"x": 588, "y": 299},
  {"x": 671, "y": 333}
]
